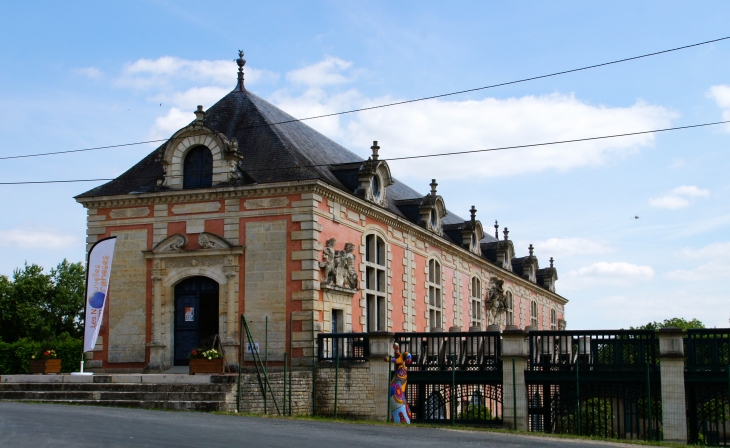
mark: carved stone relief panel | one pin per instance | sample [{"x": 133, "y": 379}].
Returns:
[
  {"x": 339, "y": 266},
  {"x": 136, "y": 212}
]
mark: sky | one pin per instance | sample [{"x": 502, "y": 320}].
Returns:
[{"x": 638, "y": 226}]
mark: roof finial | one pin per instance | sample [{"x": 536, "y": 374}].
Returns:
[
  {"x": 433, "y": 185},
  {"x": 551, "y": 261},
  {"x": 375, "y": 149},
  {"x": 531, "y": 249},
  {"x": 473, "y": 213},
  {"x": 496, "y": 229},
  {"x": 241, "y": 62},
  {"x": 506, "y": 233},
  {"x": 199, "y": 114}
]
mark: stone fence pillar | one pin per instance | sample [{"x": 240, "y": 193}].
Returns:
[
  {"x": 381, "y": 345},
  {"x": 514, "y": 389},
  {"x": 671, "y": 364}
]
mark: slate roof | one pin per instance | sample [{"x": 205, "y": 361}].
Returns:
[{"x": 282, "y": 152}]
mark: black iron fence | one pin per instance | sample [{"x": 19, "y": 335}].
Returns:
[
  {"x": 609, "y": 351},
  {"x": 454, "y": 377},
  {"x": 349, "y": 346},
  {"x": 463, "y": 351},
  {"x": 707, "y": 386},
  {"x": 597, "y": 383}
]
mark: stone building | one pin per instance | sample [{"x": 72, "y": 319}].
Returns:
[{"x": 249, "y": 211}]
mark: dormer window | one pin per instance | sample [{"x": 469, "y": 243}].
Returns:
[
  {"x": 432, "y": 209},
  {"x": 198, "y": 168},
  {"x": 375, "y": 187}
]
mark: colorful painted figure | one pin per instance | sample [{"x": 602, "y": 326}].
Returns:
[{"x": 397, "y": 403}]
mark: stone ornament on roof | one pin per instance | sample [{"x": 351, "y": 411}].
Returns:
[
  {"x": 432, "y": 210},
  {"x": 374, "y": 177},
  {"x": 339, "y": 266}
]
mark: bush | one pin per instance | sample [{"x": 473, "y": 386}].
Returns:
[
  {"x": 475, "y": 412},
  {"x": 15, "y": 356}
]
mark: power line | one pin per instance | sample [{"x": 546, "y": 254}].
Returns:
[
  {"x": 397, "y": 103},
  {"x": 82, "y": 150},
  {"x": 501, "y": 148}
]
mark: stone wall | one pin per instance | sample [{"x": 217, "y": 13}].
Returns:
[
  {"x": 265, "y": 284},
  {"x": 252, "y": 401},
  {"x": 355, "y": 391},
  {"x": 128, "y": 298}
]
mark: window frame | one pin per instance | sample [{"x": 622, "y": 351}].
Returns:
[
  {"x": 376, "y": 283},
  {"x": 509, "y": 315},
  {"x": 534, "y": 317},
  {"x": 476, "y": 301},
  {"x": 202, "y": 172},
  {"x": 435, "y": 293},
  {"x": 553, "y": 319}
]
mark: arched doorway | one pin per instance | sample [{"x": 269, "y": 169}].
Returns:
[{"x": 196, "y": 316}]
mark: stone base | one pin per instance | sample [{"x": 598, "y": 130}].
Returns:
[{"x": 158, "y": 361}]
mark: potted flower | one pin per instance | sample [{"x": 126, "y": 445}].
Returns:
[
  {"x": 45, "y": 361},
  {"x": 205, "y": 361}
]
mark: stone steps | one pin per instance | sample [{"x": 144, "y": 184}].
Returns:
[{"x": 177, "y": 393}]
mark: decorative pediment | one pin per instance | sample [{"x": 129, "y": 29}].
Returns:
[
  {"x": 472, "y": 233},
  {"x": 374, "y": 178},
  {"x": 432, "y": 210},
  {"x": 173, "y": 243},
  {"x": 226, "y": 156},
  {"x": 211, "y": 241}
]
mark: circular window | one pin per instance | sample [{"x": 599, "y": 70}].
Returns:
[{"x": 375, "y": 186}]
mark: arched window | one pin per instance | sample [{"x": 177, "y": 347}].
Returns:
[
  {"x": 533, "y": 314},
  {"x": 435, "y": 302},
  {"x": 198, "y": 168},
  {"x": 509, "y": 309},
  {"x": 435, "y": 407},
  {"x": 553, "y": 320},
  {"x": 476, "y": 302},
  {"x": 375, "y": 283}
]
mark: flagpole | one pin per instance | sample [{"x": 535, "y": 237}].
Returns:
[{"x": 86, "y": 299}]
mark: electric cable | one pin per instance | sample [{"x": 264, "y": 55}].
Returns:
[
  {"x": 501, "y": 148},
  {"x": 397, "y": 103}
]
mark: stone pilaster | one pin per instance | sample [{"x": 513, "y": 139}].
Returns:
[
  {"x": 514, "y": 347},
  {"x": 671, "y": 364},
  {"x": 381, "y": 345},
  {"x": 312, "y": 307},
  {"x": 157, "y": 347},
  {"x": 231, "y": 303}
]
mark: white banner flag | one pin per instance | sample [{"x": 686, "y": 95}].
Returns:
[{"x": 99, "y": 270}]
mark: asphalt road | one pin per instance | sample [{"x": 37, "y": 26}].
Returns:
[{"x": 39, "y": 425}]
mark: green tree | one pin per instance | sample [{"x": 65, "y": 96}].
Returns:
[
  {"x": 39, "y": 306},
  {"x": 23, "y": 305},
  {"x": 673, "y": 322},
  {"x": 65, "y": 307}
]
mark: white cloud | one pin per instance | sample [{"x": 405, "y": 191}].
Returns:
[
  {"x": 716, "y": 265},
  {"x": 438, "y": 126},
  {"x": 714, "y": 250},
  {"x": 89, "y": 72},
  {"x": 679, "y": 197},
  {"x": 184, "y": 103},
  {"x": 721, "y": 95},
  {"x": 40, "y": 238},
  {"x": 709, "y": 271},
  {"x": 569, "y": 247},
  {"x": 607, "y": 273},
  {"x": 145, "y": 73},
  {"x": 325, "y": 72}
]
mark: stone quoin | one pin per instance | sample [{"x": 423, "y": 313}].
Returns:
[{"x": 248, "y": 211}]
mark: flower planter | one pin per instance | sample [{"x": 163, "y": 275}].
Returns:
[
  {"x": 44, "y": 366},
  {"x": 206, "y": 366}
]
